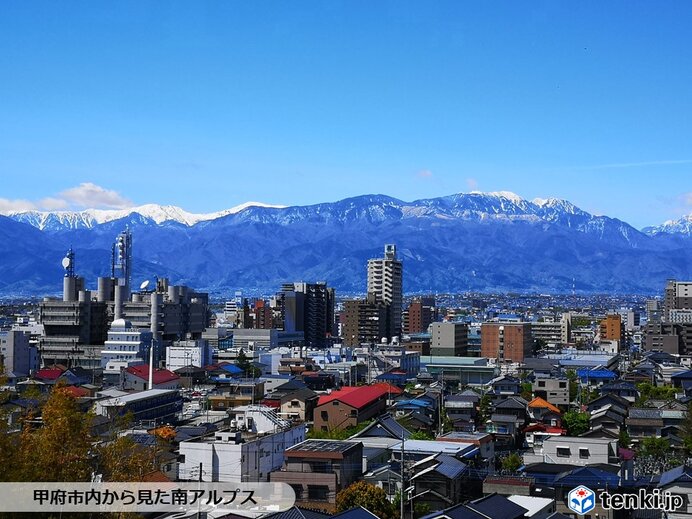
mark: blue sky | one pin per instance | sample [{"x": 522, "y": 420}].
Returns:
[{"x": 207, "y": 105}]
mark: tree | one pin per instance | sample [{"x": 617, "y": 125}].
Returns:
[
  {"x": 573, "y": 384},
  {"x": 421, "y": 435},
  {"x": 624, "y": 439},
  {"x": 654, "y": 447},
  {"x": 526, "y": 390},
  {"x": 243, "y": 362},
  {"x": 512, "y": 462},
  {"x": 484, "y": 408},
  {"x": 370, "y": 497},
  {"x": 575, "y": 422}
]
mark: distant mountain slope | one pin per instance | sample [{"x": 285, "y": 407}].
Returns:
[
  {"x": 468, "y": 241},
  {"x": 681, "y": 227}
]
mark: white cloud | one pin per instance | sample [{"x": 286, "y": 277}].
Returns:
[
  {"x": 89, "y": 195},
  {"x": 472, "y": 184},
  {"x": 7, "y": 205},
  {"x": 425, "y": 173},
  {"x": 84, "y": 196}
]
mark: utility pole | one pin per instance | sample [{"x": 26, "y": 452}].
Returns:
[
  {"x": 199, "y": 511},
  {"x": 402, "y": 506}
]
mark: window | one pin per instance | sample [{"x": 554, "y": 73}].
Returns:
[
  {"x": 563, "y": 385},
  {"x": 335, "y": 402},
  {"x": 354, "y": 413},
  {"x": 541, "y": 383},
  {"x": 563, "y": 452},
  {"x": 318, "y": 492},
  {"x": 584, "y": 453},
  {"x": 324, "y": 415},
  {"x": 298, "y": 489}
]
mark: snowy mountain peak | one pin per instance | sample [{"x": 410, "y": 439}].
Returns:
[
  {"x": 509, "y": 195},
  {"x": 682, "y": 225},
  {"x": 88, "y": 218}
]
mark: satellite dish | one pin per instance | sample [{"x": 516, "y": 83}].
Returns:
[
  {"x": 144, "y": 285},
  {"x": 66, "y": 262}
]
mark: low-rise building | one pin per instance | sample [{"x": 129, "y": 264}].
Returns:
[
  {"x": 249, "y": 451},
  {"x": 351, "y": 405},
  {"x": 154, "y": 405},
  {"x": 318, "y": 469}
]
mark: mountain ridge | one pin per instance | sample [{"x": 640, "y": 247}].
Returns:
[{"x": 465, "y": 241}]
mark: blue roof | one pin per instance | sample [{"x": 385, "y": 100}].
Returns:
[
  {"x": 497, "y": 507},
  {"x": 589, "y": 476},
  {"x": 683, "y": 473},
  {"x": 296, "y": 512},
  {"x": 449, "y": 466},
  {"x": 357, "y": 513},
  {"x": 683, "y": 375},
  {"x": 231, "y": 368},
  {"x": 414, "y": 401},
  {"x": 596, "y": 373}
]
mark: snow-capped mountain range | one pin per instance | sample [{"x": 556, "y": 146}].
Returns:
[
  {"x": 465, "y": 241},
  {"x": 159, "y": 214}
]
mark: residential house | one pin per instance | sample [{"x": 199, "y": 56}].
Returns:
[
  {"x": 598, "y": 479},
  {"x": 542, "y": 411},
  {"x": 644, "y": 422},
  {"x": 625, "y": 390},
  {"x": 236, "y": 392},
  {"x": 351, "y": 405},
  {"x": 438, "y": 481},
  {"x": 298, "y": 404},
  {"x": 493, "y": 506},
  {"x": 553, "y": 390},
  {"x": 462, "y": 410},
  {"x": 573, "y": 450},
  {"x": 607, "y": 419},
  {"x": 503, "y": 386},
  {"x": 678, "y": 481},
  {"x": 137, "y": 378},
  {"x": 384, "y": 426},
  {"x": 596, "y": 377},
  {"x": 318, "y": 469}
]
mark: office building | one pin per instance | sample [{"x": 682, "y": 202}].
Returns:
[{"x": 449, "y": 339}]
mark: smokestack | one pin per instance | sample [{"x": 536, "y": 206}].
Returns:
[
  {"x": 118, "y": 310},
  {"x": 103, "y": 293},
  {"x": 154, "y": 324}
]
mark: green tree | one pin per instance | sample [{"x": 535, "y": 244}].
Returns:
[
  {"x": 484, "y": 408},
  {"x": 370, "y": 497},
  {"x": 573, "y": 384},
  {"x": 244, "y": 363},
  {"x": 526, "y": 390},
  {"x": 624, "y": 439},
  {"x": 575, "y": 422},
  {"x": 421, "y": 435},
  {"x": 654, "y": 447},
  {"x": 512, "y": 462}
]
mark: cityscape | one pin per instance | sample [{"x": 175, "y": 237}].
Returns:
[{"x": 361, "y": 260}]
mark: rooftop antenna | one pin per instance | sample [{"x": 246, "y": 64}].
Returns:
[
  {"x": 145, "y": 284},
  {"x": 68, "y": 263}
]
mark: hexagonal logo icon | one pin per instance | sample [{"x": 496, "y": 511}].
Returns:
[{"x": 581, "y": 500}]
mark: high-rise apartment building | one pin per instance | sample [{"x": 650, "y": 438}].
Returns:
[
  {"x": 506, "y": 341},
  {"x": 308, "y": 308},
  {"x": 672, "y": 331},
  {"x": 385, "y": 281},
  {"x": 612, "y": 328},
  {"x": 420, "y": 314},
  {"x": 364, "y": 321}
]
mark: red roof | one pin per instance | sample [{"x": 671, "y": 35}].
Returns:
[
  {"x": 76, "y": 392},
  {"x": 359, "y": 396},
  {"x": 161, "y": 376},
  {"x": 48, "y": 374}
]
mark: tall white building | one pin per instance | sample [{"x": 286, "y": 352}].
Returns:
[
  {"x": 385, "y": 280},
  {"x": 126, "y": 346},
  {"x": 188, "y": 353}
]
